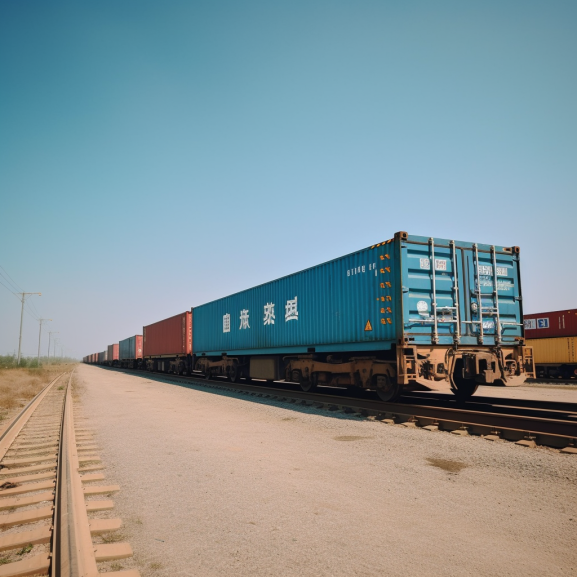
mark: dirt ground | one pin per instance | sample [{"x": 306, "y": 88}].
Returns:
[
  {"x": 214, "y": 484},
  {"x": 18, "y": 386}
]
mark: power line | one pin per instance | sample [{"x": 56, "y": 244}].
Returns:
[
  {"x": 23, "y": 296},
  {"x": 33, "y": 311},
  {"x": 33, "y": 308},
  {"x": 11, "y": 280},
  {"x": 31, "y": 314},
  {"x": 8, "y": 289},
  {"x": 29, "y": 306}
]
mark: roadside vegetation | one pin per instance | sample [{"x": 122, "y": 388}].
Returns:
[{"x": 19, "y": 384}]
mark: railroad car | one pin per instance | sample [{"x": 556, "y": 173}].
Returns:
[
  {"x": 112, "y": 355},
  {"x": 555, "y": 357},
  {"x": 412, "y": 310},
  {"x": 130, "y": 352},
  {"x": 167, "y": 344}
]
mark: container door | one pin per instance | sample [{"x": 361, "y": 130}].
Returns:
[
  {"x": 432, "y": 301},
  {"x": 494, "y": 305},
  {"x": 456, "y": 293}
]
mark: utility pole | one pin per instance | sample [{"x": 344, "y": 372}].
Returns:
[
  {"x": 23, "y": 297},
  {"x": 50, "y": 333},
  {"x": 40, "y": 336},
  {"x": 54, "y": 348}
]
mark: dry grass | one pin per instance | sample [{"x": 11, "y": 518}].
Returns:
[
  {"x": 112, "y": 537},
  {"x": 19, "y": 385}
]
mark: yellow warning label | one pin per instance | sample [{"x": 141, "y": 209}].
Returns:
[{"x": 368, "y": 326}]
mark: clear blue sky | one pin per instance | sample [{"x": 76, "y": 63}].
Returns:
[{"x": 157, "y": 155}]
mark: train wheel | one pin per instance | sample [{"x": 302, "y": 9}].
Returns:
[
  {"x": 462, "y": 388},
  {"x": 465, "y": 389},
  {"x": 387, "y": 389},
  {"x": 310, "y": 385},
  {"x": 234, "y": 374}
]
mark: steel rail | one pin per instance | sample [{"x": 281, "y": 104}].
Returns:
[
  {"x": 551, "y": 381},
  {"x": 554, "y": 432},
  {"x": 417, "y": 397},
  {"x": 72, "y": 549},
  {"x": 13, "y": 429},
  {"x": 73, "y": 552},
  {"x": 407, "y": 397},
  {"x": 449, "y": 399},
  {"x": 36, "y": 564}
]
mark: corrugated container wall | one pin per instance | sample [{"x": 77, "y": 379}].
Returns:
[
  {"x": 112, "y": 354},
  {"x": 169, "y": 337},
  {"x": 552, "y": 324},
  {"x": 131, "y": 348},
  {"x": 559, "y": 350},
  {"x": 370, "y": 299},
  {"x": 103, "y": 356}
]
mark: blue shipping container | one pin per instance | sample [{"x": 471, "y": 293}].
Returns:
[
  {"x": 128, "y": 348},
  {"x": 410, "y": 289}
]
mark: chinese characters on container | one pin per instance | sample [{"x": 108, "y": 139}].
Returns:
[{"x": 291, "y": 314}]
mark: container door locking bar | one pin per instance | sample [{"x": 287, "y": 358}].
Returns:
[
  {"x": 455, "y": 318},
  {"x": 457, "y": 336},
  {"x": 480, "y": 338},
  {"x": 496, "y": 297}
]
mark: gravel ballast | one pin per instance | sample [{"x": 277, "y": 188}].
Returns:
[{"x": 219, "y": 484}]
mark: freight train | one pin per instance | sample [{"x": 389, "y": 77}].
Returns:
[
  {"x": 410, "y": 312},
  {"x": 553, "y": 336}
]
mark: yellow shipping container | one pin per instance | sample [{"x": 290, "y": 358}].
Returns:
[{"x": 560, "y": 350}]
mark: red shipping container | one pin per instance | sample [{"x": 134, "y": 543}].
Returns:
[
  {"x": 170, "y": 337},
  {"x": 138, "y": 346},
  {"x": 552, "y": 324},
  {"x": 112, "y": 353}
]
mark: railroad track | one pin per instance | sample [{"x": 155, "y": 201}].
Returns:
[
  {"x": 48, "y": 495},
  {"x": 525, "y": 422},
  {"x": 544, "y": 381}
]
